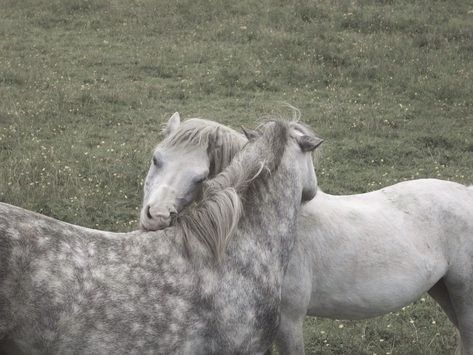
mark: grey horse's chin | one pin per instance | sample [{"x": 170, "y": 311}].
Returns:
[
  {"x": 143, "y": 228},
  {"x": 154, "y": 225}
]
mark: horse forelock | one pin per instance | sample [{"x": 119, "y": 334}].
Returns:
[
  {"x": 221, "y": 142},
  {"x": 222, "y": 147}
]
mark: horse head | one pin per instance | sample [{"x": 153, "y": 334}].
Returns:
[{"x": 191, "y": 152}]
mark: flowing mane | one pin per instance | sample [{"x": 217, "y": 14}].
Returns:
[
  {"x": 214, "y": 219},
  {"x": 222, "y": 143}
]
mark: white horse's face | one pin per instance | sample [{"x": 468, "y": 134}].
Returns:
[{"x": 174, "y": 180}]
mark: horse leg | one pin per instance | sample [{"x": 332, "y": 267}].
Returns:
[
  {"x": 460, "y": 296},
  {"x": 440, "y": 294},
  {"x": 295, "y": 299},
  {"x": 290, "y": 338},
  {"x": 465, "y": 323}
]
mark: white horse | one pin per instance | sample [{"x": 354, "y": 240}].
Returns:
[
  {"x": 356, "y": 256},
  {"x": 360, "y": 256}
]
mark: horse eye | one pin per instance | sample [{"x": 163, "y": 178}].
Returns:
[
  {"x": 156, "y": 162},
  {"x": 200, "y": 179}
]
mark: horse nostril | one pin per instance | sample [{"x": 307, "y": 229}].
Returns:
[
  {"x": 147, "y": 212},
  {"x": 173, "y": 214}
]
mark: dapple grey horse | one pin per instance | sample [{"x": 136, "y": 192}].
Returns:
[
  {"x": 356, "y": 256},
  {"x": 210, "y": 284}
]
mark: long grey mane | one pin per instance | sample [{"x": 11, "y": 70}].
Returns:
[
  {"x": 214, "y": 219},
  {"x": 222, "y": 143}
]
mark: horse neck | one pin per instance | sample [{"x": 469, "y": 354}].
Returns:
[{"x": 271, "y": 212}]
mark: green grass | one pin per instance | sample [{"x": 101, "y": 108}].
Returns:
[{"x": 85, "y": 86}]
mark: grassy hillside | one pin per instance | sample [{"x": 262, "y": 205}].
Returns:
[{"x": 85, "y": 86}]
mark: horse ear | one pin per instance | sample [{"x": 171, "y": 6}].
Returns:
[
  {"x": 309, "y": 143},
  {"x": 249, "y": 133},
  {"x": 173, "y": 124}
]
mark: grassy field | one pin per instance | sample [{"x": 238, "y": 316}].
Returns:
[{"x": 85, "y": 86}]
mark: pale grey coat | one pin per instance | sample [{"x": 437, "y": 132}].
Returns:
[{"x": 68, "y": 289}]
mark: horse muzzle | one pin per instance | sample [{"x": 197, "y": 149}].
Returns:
[{"x": 152, "y": 218}]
